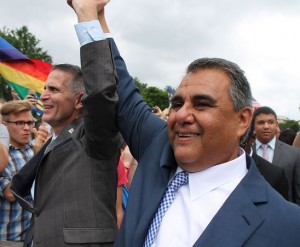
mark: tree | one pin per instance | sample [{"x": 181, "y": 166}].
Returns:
[
  {"x": 26, "y": 42},
  {"x": 153, "y": 95},
  {"x": 291, "y": 124}
]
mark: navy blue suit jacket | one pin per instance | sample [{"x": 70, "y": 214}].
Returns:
[{"x": 253, "y": 215}]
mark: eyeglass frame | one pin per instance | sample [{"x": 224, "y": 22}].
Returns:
[{"x": 21, "y": 123}]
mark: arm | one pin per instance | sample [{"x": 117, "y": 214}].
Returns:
[
  {"x": 5, "y": 182},
  {"x": 102, "y": 138},
  {"x": 122, "y": 180},
  {"x": 136, "y": 122},
  {"x": 119, "y": 208},
  {"x": 4, "y": 144},
  {"x": 296, "y": 142},
  {"x": 4, "y": 157}
]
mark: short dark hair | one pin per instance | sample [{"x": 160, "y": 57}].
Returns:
[
  {"x": 263, "y": 110},
  {"x": 239, "y": 91},
  {"x": 76, "y": 85}
]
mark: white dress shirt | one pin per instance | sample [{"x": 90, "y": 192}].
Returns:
[{"x": 197, "y": 202}]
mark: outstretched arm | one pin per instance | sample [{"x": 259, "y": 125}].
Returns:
[{"x": 98, "y": 70}]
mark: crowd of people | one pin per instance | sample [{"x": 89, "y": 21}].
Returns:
[{"x": 102, "y": 168}]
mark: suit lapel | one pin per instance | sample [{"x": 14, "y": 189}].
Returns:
[
  {"x": 239, "y": 217},
  {"x": 277, "y": 152},
  {"x": 63, "y": 135}
]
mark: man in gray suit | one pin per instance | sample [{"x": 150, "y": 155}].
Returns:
[
  {"x": 278, "y": 153},
  {"x": 75, "y": 173}
]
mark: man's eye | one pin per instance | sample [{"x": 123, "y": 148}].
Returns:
[
  {"x": 176, "y": 105},
  {"x": 202, "y": 105}
]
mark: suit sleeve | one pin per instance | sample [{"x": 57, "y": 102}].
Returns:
[
  {"x": 101, "y": 133},
  {"x": 138, "y": 125}
]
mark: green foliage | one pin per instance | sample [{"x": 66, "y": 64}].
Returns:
[
  {"x": 292, "y": 124},
  {"x": 5, "y": 91},
  {"x": 153, "y": 95},
  {"x": 26, "y": 42}
]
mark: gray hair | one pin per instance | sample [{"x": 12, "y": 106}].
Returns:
[
  {"x": 76, "y": 84},
  {"x": 240, "y": 91}
]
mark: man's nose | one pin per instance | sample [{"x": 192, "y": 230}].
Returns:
[{"x": 185, "y": 115}]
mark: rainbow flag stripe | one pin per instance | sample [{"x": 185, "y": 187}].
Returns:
[
  {"x": 25, "y": 74},
  {"x": 20, "y": 72},
  {"x": 9, "y": 52}
]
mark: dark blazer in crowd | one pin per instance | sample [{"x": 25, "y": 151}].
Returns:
[
  {"x": 288, "y": 158},
  {"x": 274, "y": 175}
]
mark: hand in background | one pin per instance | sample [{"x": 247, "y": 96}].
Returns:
[
  {"x": 7, "y": 194},
  {"x": 41, "y": 136}
]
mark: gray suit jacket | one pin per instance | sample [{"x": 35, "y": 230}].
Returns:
[
  {"x": 288, "y": 158},
  {"x": 254, "y": 215},
  {"x": 75, "y": 182}
]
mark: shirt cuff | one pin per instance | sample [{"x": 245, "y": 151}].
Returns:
[{"x": 88, "y": 32}]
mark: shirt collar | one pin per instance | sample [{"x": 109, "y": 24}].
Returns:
[
  {"x": 216, "y": 176},
  {"x": 270, "y": 143},
  {"x": 27, "y": 146}
]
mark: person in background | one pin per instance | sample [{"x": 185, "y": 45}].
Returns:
[
  {"x": 194, "y": 185},
  {"x": 122, "y": 181},
  {"x": 296, "y": 142},
  {"x": 275, "y": 151},
  {"x": 274, "y": 175},
  {"x": 31, "y": 97},
  {"x": 287, "y": 136},
  {"x": 130, "y": 165},
  {"x": 75, "y": 172},
  {"x": 14, "y": 221}
]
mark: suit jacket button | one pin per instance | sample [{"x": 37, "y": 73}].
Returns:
[{"x": 36, "y": 213}]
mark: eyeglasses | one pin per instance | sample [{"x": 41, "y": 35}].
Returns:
[{"x": 22, "y": 123}]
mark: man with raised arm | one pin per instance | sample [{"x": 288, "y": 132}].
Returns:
[{"x": 75, "y": 172}]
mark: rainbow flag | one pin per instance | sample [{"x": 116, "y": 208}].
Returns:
[{"x": 22, "y": 73}]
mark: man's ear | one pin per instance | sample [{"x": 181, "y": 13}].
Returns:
[
  {"x": 78, "y": 103},
  {"x": 244, "y": 120}
]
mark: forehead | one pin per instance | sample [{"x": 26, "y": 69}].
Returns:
[
  {"x": 19, "y": 115},
  {"x": 59, "y": 77},
  {"x": 265, "y": 117},
  {"x": 205, "y": 81}
]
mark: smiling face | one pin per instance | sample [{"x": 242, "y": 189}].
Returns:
[
  {"x": 203, "y": 127},
  {"x": 61, "y": 106}
]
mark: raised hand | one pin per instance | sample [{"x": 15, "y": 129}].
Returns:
[{"x": 87, "y": 10}]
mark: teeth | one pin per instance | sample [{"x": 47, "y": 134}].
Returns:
[{"x": 184, "y": 135}]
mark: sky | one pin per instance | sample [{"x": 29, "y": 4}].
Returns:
[{"x": 159, "y": 38}]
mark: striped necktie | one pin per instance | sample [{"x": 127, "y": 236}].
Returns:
[{"x": 180, "y": 179}]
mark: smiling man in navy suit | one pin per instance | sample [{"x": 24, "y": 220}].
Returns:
[{"x": 223, "y": 201}]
